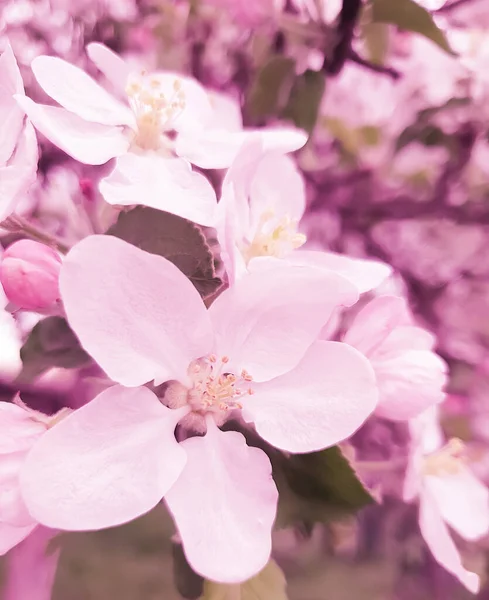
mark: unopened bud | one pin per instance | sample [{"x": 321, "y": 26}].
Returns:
[{"x": 29, "y": 273}]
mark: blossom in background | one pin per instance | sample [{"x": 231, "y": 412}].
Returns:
[
  {"x": 253, "y": 355},
  {"x": 449, "y": 495},
  {"x": 262, "y": 203},
  {"x": 18, "y": 144},
  {"x": 10, "y": 362},
  {"x": 410, "y": 376},
  {"x": 94, "y": 126}
]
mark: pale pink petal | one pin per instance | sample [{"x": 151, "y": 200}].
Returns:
[
  {"x": 463, "y": 502},
  {"x": 374, "y": 322},
  {"x": 145, "y": 321},
  {"x": 167, "y": 184},
  {"x": 277, "y": 186},
  {"x": 233, "y": 213},
  {"x": 105, "y": 463},
  {"x": 283, "y": 139},
  {"x": 115, "y": 69},
  {"x": 409, "y": 384},
  {"x": 11, "y": 117},
  {"x": 19, "y": 429},
  {"x": 403, "y": 339},
  {"x": 17, "y": 177},
  {"x": 226, "y": 112},
  {"x": 10, "y": 536},
  {"x": 78, "y": 93},
  {"x": 441, "y": 545},
  {"x": 426, "y": 431},
  {"x": 224, "y": 505},
  {"x": 321, "y": 402},
  {"x": 31, "y": 567},
  {"x": 365, "y": 274},
  {"x": 90, "y": 143},
  {"x": 216, "y": 148},
  {"x": 10, "y": 361},
  {"x": 210, "y": 149},
  {"x": 12, "y": 507},
  {"x": 268, "y": 319}
]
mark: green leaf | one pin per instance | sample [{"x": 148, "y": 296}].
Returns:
[
  {"x": 410, "y": 16},
  {"x": 269, "y": 584},
  {"x": 316, "y": 487},
  {"x": 305, "y": 100},
  {"x": 177, "y": 239},
  {"x": 270, "y": 89},
  {"x": 188, "y": 583},
  {"x": 322, "y": 484},
  {"x": 51, "y": 343}
]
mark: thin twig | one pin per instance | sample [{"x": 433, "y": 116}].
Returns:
[{"x": 356, "y": 58}]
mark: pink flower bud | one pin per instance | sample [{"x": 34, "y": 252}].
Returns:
[{"x": 29, "y": 274}]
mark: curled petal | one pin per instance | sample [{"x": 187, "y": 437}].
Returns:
[
  {"x": 104, "y": 464},
  {"x": 463, "y": 502},
  {"x": 167, "y": 184},
  {"x": 11, "y": 116},
  {"x": 140, "y": 317},
  {"x": 78, "y": 93},
  {"x": 375, "y": 322},
  {"x": 441, "y": 545},
  {"x": 365, "y": 274},
  {"x": 409, "y": 384},
  {"x": 321, "y": 402},
  {"x": 90, "y": 143},
  {"x": 115, "y": 69},
  {"x": 226, "y": 526},
  {"x": 10, "y": 536}
]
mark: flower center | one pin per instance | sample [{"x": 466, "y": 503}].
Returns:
[
  {"x": 449, "y": 460},
  {"x": 274, "y": 237},
  {"x": 213, "y": 390},
  {"x": 154, "y": 110}
]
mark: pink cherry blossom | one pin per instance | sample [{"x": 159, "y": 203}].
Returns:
[
  {"x": 29, "y": 274},
  {"x": 18, "y": 144},
  {"x": 410, "y": 376},
  {"x": 262, "y": 203},
  {"x": 253, "y": 353},
  {"x": 448, "y": 493}
]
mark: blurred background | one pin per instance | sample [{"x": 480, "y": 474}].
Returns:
[{"x": 394, "y": 95}]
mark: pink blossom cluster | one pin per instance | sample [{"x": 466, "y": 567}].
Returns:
[{"x": 303, "y": 347}]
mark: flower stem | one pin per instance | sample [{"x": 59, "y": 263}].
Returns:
[{"x": 17, "y": 224}]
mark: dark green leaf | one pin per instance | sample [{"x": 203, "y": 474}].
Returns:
[
  {"x": 268, "y": 584},
  {"x": 316, "y": 487},
  {"x": 177, "y": 239},
  {"x": 188, "y": 583},
  {"x": 270, "y": 89},
  {"x": 410, "y": 16},
  {"x": 305, "y": 100},
  {"x": 51, "y": 343}
]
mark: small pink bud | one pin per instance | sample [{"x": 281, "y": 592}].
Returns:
[{"x": 29, "y": 273}]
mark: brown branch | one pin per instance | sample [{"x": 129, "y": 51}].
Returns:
[
  {"x": 356, "y": 58},
  {"x": 348, "y": 18}
]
